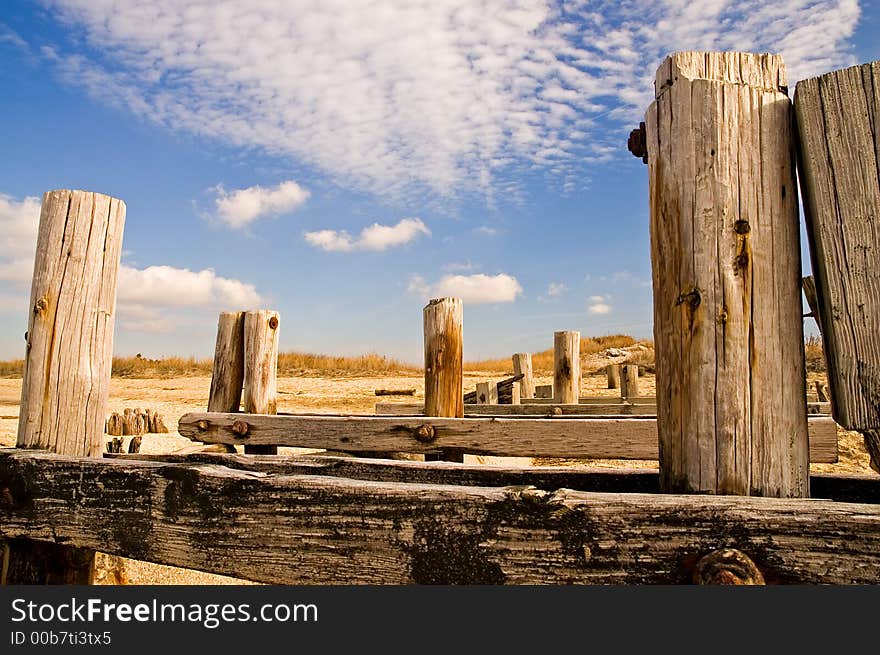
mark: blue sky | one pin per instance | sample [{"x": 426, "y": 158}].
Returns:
[{"x": 342, "y": 162}]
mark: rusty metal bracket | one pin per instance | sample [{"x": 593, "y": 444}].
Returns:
[{"x": 638, "y": 143}]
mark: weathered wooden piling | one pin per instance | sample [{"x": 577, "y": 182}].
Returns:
[
  {"x": 566, "y": 366},
  {"x": 487, "y": 393},
  {"x": 260, "y": 368},
  {"x": 443, "y": 358},
  {"x": 227, "y": 373},
  {"x": 66, "y": 379},
  {"x": 629, "y": 380},
  {"x": 522, "y": 365},
  {"x": 725, "y": 251},
  {"x": 838, "y": 122},
  {"x": 612, "y": 371}
]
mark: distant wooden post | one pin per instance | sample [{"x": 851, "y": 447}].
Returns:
[
  {"x": 725, "y": 250},
  {"x": 629, "y": 380},
  {"x": 443, "y": 358},
  {"x": 443, "y": 362},
  {"x": 260, "y": 369},
  {"x": 613, "y": 373},
  {"x": 66, "y": 379},
  {"x": 566, "y": 367},
  {"x": 515, "y": 397},
  {"x": 487, "y": 393},
  {"x": 838, "y": 120},
  {"x": 227, "y": 374},
  {"x": 544, "y": 391},
  {"x": 522, "y": 364}
]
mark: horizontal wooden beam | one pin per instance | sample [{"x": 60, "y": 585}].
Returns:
[
  {"x": 530, "y": 409},
  {"x": 850, "y": 488},
  {"x": 588, "y": 438},
  {"x": 314, "y": 529}
]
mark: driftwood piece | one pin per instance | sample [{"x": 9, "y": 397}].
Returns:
[
  {"x": 316, "y": 529},
  {"x": 592, "y": 438},
  {"x": 725, "y": 251},
  {"x": 395, "y": 392}
]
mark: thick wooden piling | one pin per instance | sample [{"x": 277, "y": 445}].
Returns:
[
  {"x": 443, "y": 362},
  {"x": 838, "y": 121},
  {"x": 69, "y": 355},
  {"x": 629, "y": 380},
  {"x": 566, "y": 366},
  {"x": 726, "y": 269},
  {"x": 522, "y": 365},
  {"x": 260, "y": 368},
  {"x": 612, "y": 371}
]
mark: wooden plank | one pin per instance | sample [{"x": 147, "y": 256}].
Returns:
[
  {"x": 838, "y": 121},
  {"x": 591, "y": 438},
  {"x": 227, "y": 373},
  {"x": 725, "y": 251},
  {"x": 842, "y": 487},
  {"x": 66, "y": 379},
  {"x": 323, "y": 530},
  {"x": 566, "y": 366},
  {"x": 527, "y": 409},
  {"x": 522, "y": 365}
]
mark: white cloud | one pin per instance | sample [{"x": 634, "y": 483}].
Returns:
[
  {"x": 243, "y": 206},
  {"x": 373, "y": 237},
  {"x": 486, "y": 230},
  {"x": 555, "y": 289},
  {"x": 598, "y": 305},
  {"x": 451, "y": 96},
  {"x": 472, "y": 289},
  {"x": 19, "y": 222}
]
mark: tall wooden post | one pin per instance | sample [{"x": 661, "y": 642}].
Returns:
[
  {"x": 566, "y": 367},
  {"x": 725, "y": 250},
  {"x": 522, "y": 364},
  {"x": 227, "y": 374},
  {"x": 838, "y": 120},
  {"x": 260, "y": 368},
  {"x": 629, "y": 381},
  {"x": 443, "y": 362},
  {"x": 66, "y": 380}
]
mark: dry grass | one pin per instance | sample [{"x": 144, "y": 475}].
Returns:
[
  {"x": 542, "y": 362},
  {"x": 293, "y": 364},
  {"x": 815, "y": 354}
]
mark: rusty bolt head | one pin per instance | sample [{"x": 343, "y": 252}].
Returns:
[
  {"x": 241, "y": 428},
  {"x": 41, "y": 306},
  {"x": 742, "y": 227},
  {"x": 425, "y": 433},
  {"x": 273, "y": 322},
  {"x": 202, "y": 425},
  {"x": 557, "y": 411}
]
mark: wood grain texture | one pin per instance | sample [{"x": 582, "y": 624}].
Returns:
[
  {"x": 313, "y": 529},
  {"x": 487, "y": 393},
  {"x": 843, "y": 487},
  {"x": 66, "y": 378},
  {"x": 443, "y": 357},
  {"x": 566, "y": 366},
  {"x": 633, "y": 437},
  {"x": 838, "y": 121},
  {"x": 522, "y": 365},
  {"x": 227, "y": 373},
  {"x": 725, "y": 251}
]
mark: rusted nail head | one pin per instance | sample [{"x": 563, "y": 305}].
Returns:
[
  {"x": 241, "y": 428},
  {"x": 637, "y": 143},
  {"x": 202, "y": 425},
  {"x": 425, "y": 433},
  {"x": 742, "y": 227},
  {"x": 273, "y": 322}
]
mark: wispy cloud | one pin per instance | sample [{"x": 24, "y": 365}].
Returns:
[
  {"x": 392, "y": 97},
  {"x": 373, "y": 237},
  {"x": 242, "y": 207},
  {"x": 473, "y": 289},
  {"x": 486, "y": 230},
  {"x": 598, "y": 305}
]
